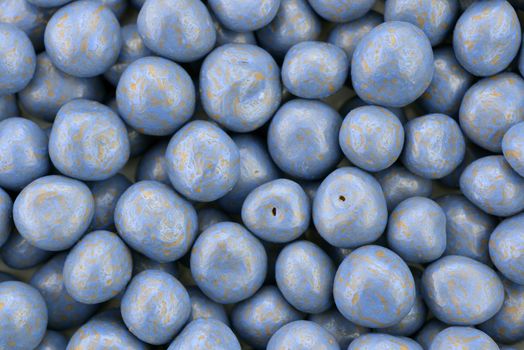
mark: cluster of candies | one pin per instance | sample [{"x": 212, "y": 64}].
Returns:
[{"x": 261, "y": 217}]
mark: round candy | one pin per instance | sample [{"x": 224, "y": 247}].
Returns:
[
  {"x": 294, "y": 22},
  {"x": 278, "y": 211},
  {"x": 97, "y": 268},
  {"x": 463, "y": 338},
  {"x": 228, "y": 263},
  {"x": 304, "y": 274},
  {"x": 371, "y": 137},
  {"x": 302, "y": 335},
  {"x": 206, "y": 334},
  {"x": 490, "y": 108},
  {"x": 493, "y": 186},
  {"x": 51, "y": 88},
  {"x": 203, "y": 162},
  {"x": 243, "y": 16},
  {"x": 450, "y": 83},
  {"x": 487, "y": 37},
  {"x": 53, "y": 341},
  {"x": 155, "y": 306},
  {"x": 434, "y": 146},
  {"x": 513, "y": 147},
  {"x": 429, "y": 332},
  {"x": 256, "y": 319},
  {"x": 203, "y": 307},
  {"x": 435, "y": 18},
  {"x": 356, "y": 102},
  {"x": 303, "y": 138},
  {"x": 314, "y": 69},
  {"x": 240, "y": 86},
  {"x": 468, "y": 228},
  {"x": 6, "y": 216},
  {"x": 380, "y": 341},
  {"x": 142, "y": 263},
  {"x": 161, "y": 27},
  {"x": 83, "y": 38},
  {"x": 506, "y": 248},
  {"x": 153, "y": 166},
  {"x": 53, "y": 212},
  {"x": 18, "y": 253},
  {"x": 207, "y": 217},
  {"x": 8, "y": 106},
  {"x": 341, "y": 10},
  {"x": 106, "y": 194},
  {"x": 64, "y": 312},
  {"x": 155, "y": 96},
  {"x": 17, "y": 59},
  {"x": 349, "y": 209},
  {"x": 405, "y": 55},
  {"x": 88, "y": 141},
  {"x": 343, "y": 330},
  {"x": 374, "y": 287},
  {"x": 23, "y": 316},
  {"x": 155, "y": 221},
  {"x": 24, "y": 153},
  {"x": 462, "y": 291}
]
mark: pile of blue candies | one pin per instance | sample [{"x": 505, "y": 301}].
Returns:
[{"x": 261, "y": 174}]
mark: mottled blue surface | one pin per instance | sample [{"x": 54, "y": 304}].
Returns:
[
  {"x": 106, "y": 194},
  {"x": 342, "y": 329},
  {"x": 23, "y": 316},
  {"x": 303, "y": 138},
  {"x": 402, "y": 70},
  {"x": 513, "y": 147},
  {"x": 18, "y": 253},
  {"x": 349, "y": 209},
  {"x": 374, "y": 287},
  {"x": 487, "y": 37},
  {"x": 83, "y": 38},
  {"x": 429, "y": 332},
  {"x": 203, "y": 162},
  {"x": 152, "y": 165},
  {"x": 463, "y": 338},
  {"x": 203, "y": 307},
  {"x": 380, "y": 341},
  {"x": 506, "y": 248},
  {"x": 302, "y": 335},
  {"x": 17, "y": 59},
  {"x": 341, "y": 10},
  {"x": 204, "y": 334},
  {"x": 52, "y": 341},
  {"x": 243, "y": 16},
  {"x": 6, "y": 216}
]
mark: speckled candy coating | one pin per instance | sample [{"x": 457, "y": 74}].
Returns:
[
  {"x": 206, "y": 334},
  {"x": 400, "y": 73},
  {"x": 383, "y": 342},
  {"x": 303, "y": 138},
  {"x": 203, "y": 162},
  {"x": 106, "y": 194},
  {"x": 493, "y": 186},
  {"x": 97, "y": 268},
  {"x": 153, "y": 166},
  {"x": 242, "y": 16},
  {"x": 513, "y": 147},
  {"x": 314, "y": 69},
  {"x": 18, "y": 253},
  {"x": 53, "y": 212},
  {"x": 506, "y": 248},
  {"x": 349, "y": 209},
  {"x": 302, "y": 335},
  {"x": 83, "y": 38},
  {"x": 341, "y": 10},
  {"x": 374, "y": 287},
  {"x": 487, "y": 37},
  {"x": 462, "y": 338},
  {"x": 342, "y": 329},
  {"x": 462, "y": 291},
  {"x": 23, "y": 316},
  {"x": 17, "y": 59},
  {"x": 203, "y": 307},
  {"x": 52, "y": 341},
  {"x": 160, "y": 26}
]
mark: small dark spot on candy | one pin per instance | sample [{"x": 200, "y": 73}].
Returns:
[
  {"x": 274, "y": 211},
  {"x": 341, "y": 198}
]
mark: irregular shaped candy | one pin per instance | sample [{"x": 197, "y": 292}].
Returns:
[
  {"x": 462, "y": 338},
  {"x": 383, "y": 341},
  {"x": 343, "y": 330},
  {"x": 242, "y": 16},
  {"x": 340, "y": 10},
  {"x": 52, "y": 341},
  {"x": 152, "y": 165},
  {"x": 302, "y": 335},
  {"x": 18, "y": 253},
  {"x": 203, "y": 307},
  {"x": 106, "y": 194},
  {"x": 513, "y": 147},
  {"x": 506, "y": 245},
  {"x": 204, "y": 334}
]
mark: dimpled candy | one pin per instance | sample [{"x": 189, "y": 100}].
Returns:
[
  {"x": 52, "y": 341},
  {"x": 435, "y": 18},
  {"x": 462, "y": 291},
  {"x": 450, "y": 83},
  {"x": 513, "y": 147},
  {"x": 295, "y": 22},
  {"x": 83, "y": 38},
  {"x": 303, "y": 138},
  {"x": 204, "y": 334},
  {"x": 155, "y": 96},
  {"x": 468, "y": 228},
  {"x": 97, "y": 268},
  {"x": 203, "y": 162},
  {"x": 152, "y": 165},
  {"x": 64, "y": 312},
  {"x": 18, "y": 253},
  {"x": 487, "y": 37},
  {"x": 179, "y": 30},
  {"x": 302, "y": 335},
  {"x": 463, "y": 338},
  {"x": 304, "y": 274},
  {"x": 6, "y": 216},
  {"x": 374, "y": 287},
  {"x": 256, "y": 319},
  {"x": 380, "y": 341},
  {"x": 434, "y": 146},
  {"x": 371, "y": 137},
  {"x": 203, "y": 307},
  {"x": 278, "y": 211},
  {"x": 53, "y": 212},
  {"x": 155, "y": 306},
  {"x": 490, "y": 108},
  {"x": 429, "y": 332},
  {"x": 228, "y": 263},
  {"x": 314, "y": 69},
  {"x": 243, "y": 16},
  {"x": 154, "y": 220},
  {"x": 493, "y": 186},
  {"x": 106, "y": 194},
  {"x": 506, "y": 248},
  {"x": 343, "y": 330},
  {"x": 23, "y": 156},
  {"x": 349, "y": 209},
  {"x": 256, "y": 168},
  {"x": 400, "y": 73},
  {"x": 240, "y": 86},
  {"x": 88, "y": 141}
]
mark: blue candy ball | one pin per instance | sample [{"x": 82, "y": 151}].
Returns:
[
  {"x": 52, "y": 341},
  {"x": 106, "y": 194},
  {"x": 153, "y": 166},
  {"x": 18, "y": 253},
  {"x": 343, "y": 330},
  {"x": 17, "y": 59},
  {"x": 513, "y": 147},
  {"x": 204, "y": 334},
  {"x": 341, "y": 10},
  {"x": 203, "y": 307},
  {"x": 243, "y": 16},
  {"x": 463, "y": 338},
  {"x": 506, "y": 248},
  {"x": 302, "y": 335},
  {"x": 428, "y": 333},
  {"x": 380, "y": 341}
]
